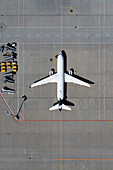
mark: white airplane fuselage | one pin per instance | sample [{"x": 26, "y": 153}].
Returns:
[{"x": 60, "y": 72}]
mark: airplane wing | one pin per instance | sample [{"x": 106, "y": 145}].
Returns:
[
  {"x": 45, "y": 80},
  {"x": 71, "y": 79}
]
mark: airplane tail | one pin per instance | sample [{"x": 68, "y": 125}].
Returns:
[{"x": 60, "y": 107}]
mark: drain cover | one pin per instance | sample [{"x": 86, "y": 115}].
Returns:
[
  {"x": 3, "y": 27},
  {"x": 71, "y": 10}
]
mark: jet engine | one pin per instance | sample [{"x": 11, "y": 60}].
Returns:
[
  {"x": 52, "y": 71},
  {"x": 71, "y": 71}
]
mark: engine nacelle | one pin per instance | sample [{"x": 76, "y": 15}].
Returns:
[
  {"x": 71, "y": 71},
  {"x": 52, "y": 71}
]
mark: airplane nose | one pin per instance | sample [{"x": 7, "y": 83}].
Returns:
[{"x": 60, "y": 53}]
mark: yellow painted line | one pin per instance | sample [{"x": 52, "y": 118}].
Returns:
[
  {"x": 66, "y": 7},
  {"x": 54, "y": 46},
  {"x": 60, "y": 140}
]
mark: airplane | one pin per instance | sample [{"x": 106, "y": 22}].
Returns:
[
  {"x": 8, "y": 79},
  {"x": 7, "y": 90},
  {"x": 62, "y": 77}
]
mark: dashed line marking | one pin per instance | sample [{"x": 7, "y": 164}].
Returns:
[
  {"x": 97, "y": 35},
  {"x": 87, "y": 35},
  {"x": 107, "y": 35},
  {"x": 28, "y": 35},
  {"x": 47, "y": 35},
  {"x": 78, "y": 35}
]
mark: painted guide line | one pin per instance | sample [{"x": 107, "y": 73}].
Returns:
[
  {"x": 50, "y": 120},
  {"x": 7, "y": 106}
]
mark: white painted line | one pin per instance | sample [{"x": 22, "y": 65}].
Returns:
[
  {"x": 8, "y": 35},
  {"x": 23, "y": 73},
  {"x": 18, "y": 79},
  {"x": 28, "y": 35},
  {"x": 82, "y": 42},
  {"x": 37, "y": 35},
  {"x": 107, "y": 35},
  {"x": 87, "y": 35},
  {"x": 17, "y": 35},
  {"x": 78, "y": 35}
]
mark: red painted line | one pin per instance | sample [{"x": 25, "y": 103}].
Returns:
[
  {"x": 8, "y": 107},
  {"x": 51, "y": 120},
  {"x": 99, "y": 77}
]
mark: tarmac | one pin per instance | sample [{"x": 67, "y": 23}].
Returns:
[{"x": 81, "y": 139}]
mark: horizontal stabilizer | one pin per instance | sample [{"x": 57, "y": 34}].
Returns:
[
  {"x": 64, "y": 107},
  {"x": 54, "y": 107}
]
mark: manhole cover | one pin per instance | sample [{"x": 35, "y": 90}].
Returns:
[
  {"x": 71, "y": 10},
  {"x": 3, "y": 27}
]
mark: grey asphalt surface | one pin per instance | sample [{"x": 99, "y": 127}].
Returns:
[{"x": 87, "y": 38}]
